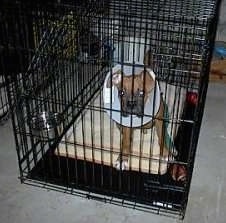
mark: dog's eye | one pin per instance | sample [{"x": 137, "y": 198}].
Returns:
[
  {"x": 121, "y": 93},
  {"x": 141, "y": 93}
]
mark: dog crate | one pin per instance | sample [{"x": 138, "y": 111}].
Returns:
[{"x": 108, "y": 96}]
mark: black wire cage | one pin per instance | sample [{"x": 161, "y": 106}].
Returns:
[{"x": 108, "y": 96}]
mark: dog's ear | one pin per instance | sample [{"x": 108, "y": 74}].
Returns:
[
  {"x": 147, "y": 80},
  {"x": 116, "y": 79},
  {"x": 148, "y": 59}
]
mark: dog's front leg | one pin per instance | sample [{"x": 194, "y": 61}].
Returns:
[{"x": 126, "y": 144}]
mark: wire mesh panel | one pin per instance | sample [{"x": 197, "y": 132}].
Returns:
[
  {"x": 4, "y": 106},
  {"x": 109, "y": 95}
]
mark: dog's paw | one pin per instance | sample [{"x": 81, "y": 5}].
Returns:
[
  {"x": 121, "y": 165},
  {"x": 169, "y": 155},
  {"x": 174, "y": 152}
]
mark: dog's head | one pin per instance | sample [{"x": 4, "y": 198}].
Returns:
[{"x": 133, "y": 91}]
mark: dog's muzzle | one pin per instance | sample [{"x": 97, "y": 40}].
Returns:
[
  {"x": 132, "y": 104},
  {"x": 133, "y": 107}
]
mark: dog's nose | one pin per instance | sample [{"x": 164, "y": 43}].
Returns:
[{"x": 131, "y": 104}]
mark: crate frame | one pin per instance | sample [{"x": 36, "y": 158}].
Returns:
[{"x": 22, "y": 81}]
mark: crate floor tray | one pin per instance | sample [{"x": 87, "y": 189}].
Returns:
[{"x": 61, "y": 171}]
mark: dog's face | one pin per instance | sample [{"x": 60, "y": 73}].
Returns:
[{"x": 133, "y": 91}]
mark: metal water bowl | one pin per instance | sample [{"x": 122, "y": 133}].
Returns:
[{"x": 47, "y": 125}]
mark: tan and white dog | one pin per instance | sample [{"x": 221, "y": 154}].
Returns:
[{"x": 133, "y": 93}]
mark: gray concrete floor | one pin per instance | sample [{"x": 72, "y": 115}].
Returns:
[{"x": 21, "y": 203}]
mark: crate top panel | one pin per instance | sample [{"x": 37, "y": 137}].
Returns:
[
  {"x": 162, "y": 9},
  {"x": 199, "y": 9}
]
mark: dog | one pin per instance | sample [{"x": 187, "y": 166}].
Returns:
[{"x": 133, "y": 93}]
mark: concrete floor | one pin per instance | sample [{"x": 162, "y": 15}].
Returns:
[{"x": 21, "y": 203}]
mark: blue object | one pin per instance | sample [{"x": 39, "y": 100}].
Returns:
[
  {"x": 220, "y": 51},
  {"x": 168, "y": 140}
]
